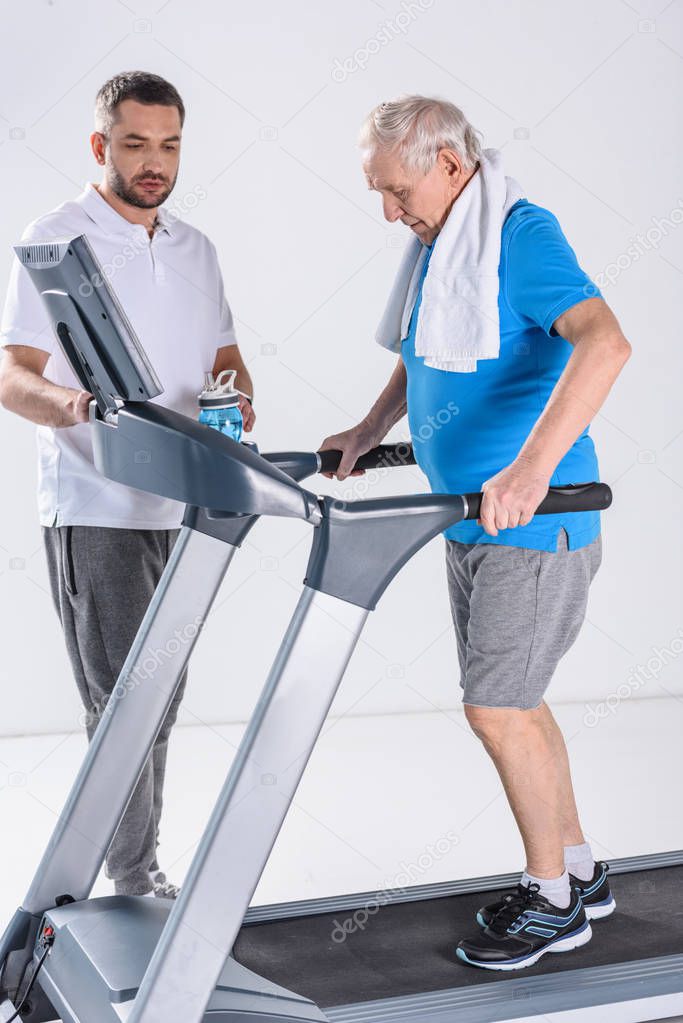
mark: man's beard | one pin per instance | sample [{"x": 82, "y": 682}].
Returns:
[{"x": 120, "y": 188}]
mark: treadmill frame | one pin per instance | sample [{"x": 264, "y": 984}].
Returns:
[{"x": 190, "y": 463}]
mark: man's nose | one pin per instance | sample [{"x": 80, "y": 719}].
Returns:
[
  {"x": 392, "y": 209},
  {"x": 153, "y": 162}
]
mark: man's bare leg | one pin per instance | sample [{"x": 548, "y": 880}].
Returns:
[{"x": 530, "y": 756}]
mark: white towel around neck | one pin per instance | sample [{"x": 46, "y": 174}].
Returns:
[{"x": 458, "y": 320}]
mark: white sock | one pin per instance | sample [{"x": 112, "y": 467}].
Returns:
[
  {"x": 555, "y": 889},
  {"x": 578, "y": 859}
]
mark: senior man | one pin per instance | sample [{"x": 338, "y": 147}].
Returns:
[
  {"x": 107, "y": 544},
  {"x": 507, "y": 352}
]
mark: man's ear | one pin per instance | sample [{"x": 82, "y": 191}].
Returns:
[
  {"x": 449, "y": 162},
  {"x": 98, "y": 145}
]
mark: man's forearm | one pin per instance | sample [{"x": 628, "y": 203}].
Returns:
[
  {"x": 243, "y": 382},
  {"x": 230, "y": 357},
  {"x": 389, "y": 407},
  {"x": 30, "y": 395},
  {"x": 576, "y": 399}
]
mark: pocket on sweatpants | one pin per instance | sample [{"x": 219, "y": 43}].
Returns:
[
  {"x": 68, "y": 570},
  {"x": 532, "y": 560}
]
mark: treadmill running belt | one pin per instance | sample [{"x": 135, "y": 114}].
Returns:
[{"x": 407, "y": 948}]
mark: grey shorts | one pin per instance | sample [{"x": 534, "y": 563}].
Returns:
[{"x": 516, "y": 612}]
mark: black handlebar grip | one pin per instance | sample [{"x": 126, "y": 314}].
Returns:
[
  {"x": 383, "y": 456},
  {"x": 575, "y": 497}
]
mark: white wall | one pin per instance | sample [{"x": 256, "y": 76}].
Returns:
[{"x": 585, "y": 100}]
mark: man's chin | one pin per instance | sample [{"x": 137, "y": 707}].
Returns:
[
  {"x": 422, "y": 232},
  {"x": 145, "y": 200}
]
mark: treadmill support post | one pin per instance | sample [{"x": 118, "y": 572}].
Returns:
[
  {"x": 255, "y": 798},
  {"x": 130, "y": 723}
]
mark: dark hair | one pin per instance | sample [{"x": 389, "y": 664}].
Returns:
[{"x": 138, "y": 85}]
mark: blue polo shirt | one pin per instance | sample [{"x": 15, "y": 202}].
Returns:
[{"x": 466, "y": 427}]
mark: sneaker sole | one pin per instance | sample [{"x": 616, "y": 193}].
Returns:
[
  {"x": 600, "y": 909},
  {"x": 570, "y": 941}
]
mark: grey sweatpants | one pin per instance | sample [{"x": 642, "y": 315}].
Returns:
[{"x": 102, "y": 581}]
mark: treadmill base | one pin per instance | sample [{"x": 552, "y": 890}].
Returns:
[{"x": 100, "y": 954}]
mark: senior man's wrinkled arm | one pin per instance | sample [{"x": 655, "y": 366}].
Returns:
[{"x": 371, "y": 431}]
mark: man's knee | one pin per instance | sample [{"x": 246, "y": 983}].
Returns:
[{"x": 497, "y": 725}]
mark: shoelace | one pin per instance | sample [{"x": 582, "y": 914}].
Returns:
[
  {"x": 514, "y": 904},
  {"x": 166, "y": 890}
]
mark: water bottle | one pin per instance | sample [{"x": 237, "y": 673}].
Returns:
[{"x": 219, "y": 404}]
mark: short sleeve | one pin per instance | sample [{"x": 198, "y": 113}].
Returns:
[
  {"x": 226, "y": 326},
  {"x": 24, "y": 318},
  {"x": 542, "y": 274}
]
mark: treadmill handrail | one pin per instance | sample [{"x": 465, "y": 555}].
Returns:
[
  {"x": 300, "y": 464},
  {"x": 383, "y": 456},
  {"x": 387, "y": 532}
]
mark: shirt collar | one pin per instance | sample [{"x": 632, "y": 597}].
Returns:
[
  {"x": 165, "y": 220},
  {"x": 106, "y": 217}
]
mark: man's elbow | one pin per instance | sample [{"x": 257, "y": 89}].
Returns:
[
  {"x": 621, "y": 350},
  {"x": 613, "y": 347},
  {"x": 4, "y": 389},
  {"x": 9, "y": 388}
]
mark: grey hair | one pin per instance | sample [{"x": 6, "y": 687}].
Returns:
[{"x": 416, "y": 128}]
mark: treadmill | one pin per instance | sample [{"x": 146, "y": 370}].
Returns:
[{"x": 206, "y": 957}]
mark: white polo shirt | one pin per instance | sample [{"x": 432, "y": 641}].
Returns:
[{"x": 172, "y": 292}]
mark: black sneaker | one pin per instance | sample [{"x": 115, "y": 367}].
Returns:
[
  {"x": 596, "y": 896},
  {"x": 525, "y": 928}
]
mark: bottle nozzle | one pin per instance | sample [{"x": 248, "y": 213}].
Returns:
[{"x": 226, "y": 379}]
